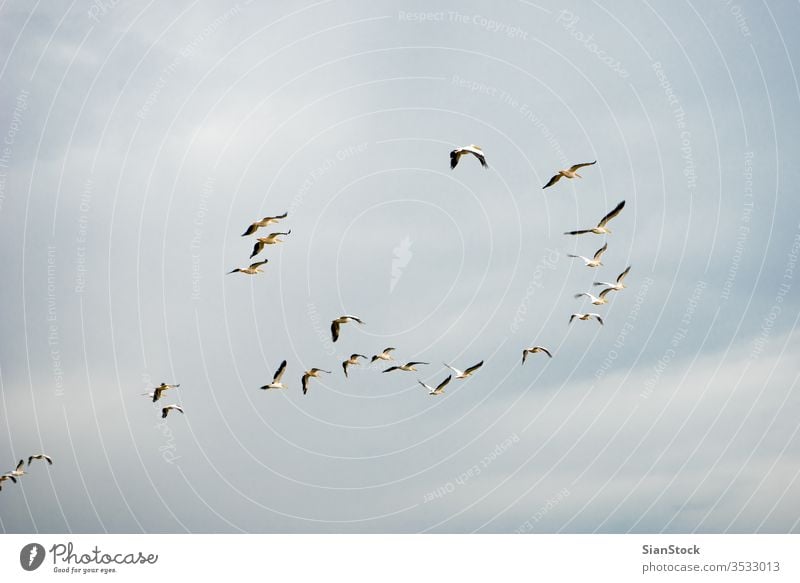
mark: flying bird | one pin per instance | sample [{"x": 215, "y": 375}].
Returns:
[
  {"x": 586, "y": 317},
  {"x": 270, "y": 239},
  {"x": 466, "y": 373},
  {"x": 19, "y": 471},
  {"x": 165, "y": 411},
  {"x": 409, "y": 366},
  {"x": 5, "y": 477},
  {"x": 476, "y": 151},
  {"x": 594, "y": 261},
  {"x": 314, "y": 372},
  {"x": 252, "y": 269},
  {"x": 439, "y": 389},
  {"x": 571, "y": 172},
  {"x": 534, "y": 350},
  {"x": 338, "y": 322},
  {"x": 383, "y": 355},
  {"x": 618, "y": 285},
  {"x": 40, "y": 456},
  {"x": 350, "y": 361},
  {"x": 601, "y": 228},
  {"x": 263, "y": 223},
  {"x": 156, "y": 394},
  {"x": 276, "y": 379},
  {"x": 597, "y": 301}
]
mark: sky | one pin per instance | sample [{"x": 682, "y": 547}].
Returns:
[{"x": 138, "y": 140}]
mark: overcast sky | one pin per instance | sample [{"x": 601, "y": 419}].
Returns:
[{"x": 139, "y": 140}]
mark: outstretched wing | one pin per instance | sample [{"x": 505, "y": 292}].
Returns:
[
  {"x": 473, "y": 368},
  {"x": 279, "y": 372},
  {"x": 305, "y": 383},
  {"x": 622, "y": 275},
  {"x": 454, "y": 156},
  {"x": 579, "y": 166},
  {"x": 612, "y": 214},
  {"x": 257, "y": 248},
  {"x": 251, "y": 229},
  {"x": 443, "y": 384},
  {"x": 553, "y": 180},
  {"x": 335, "y": 330},
  {"x": 600, "y": 251},
  {"x": 578, "y": 232},
  {"x": 480, "y": 157}
]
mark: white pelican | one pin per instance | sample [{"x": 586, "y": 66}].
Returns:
[
  {"x": 466, "y": 373},
  {"x": 534, "y": 350},
  {"x": 571, "y": 172},
  {"x": 270, "y": 239},
  {"x": 252, "y": 269},
  {"x": 165, "y": 411},
  {"x": 586, "y": 317},
  {"x": 350, "y": 361},
  {"x": 595, "y": 261},
  {"x": 314, "y": 372},
  {"x": 601, "y": 228},
  {"x": 439, "y": 389},
  {"x": 5, "y": 477},
  {"x": 339, "y": 321},
  {"x": 40, "y": 456},
  {"x": 476, "y": 151},
  {"x": 276, "y": 379},
  {"x": 263, "y": 223},
  {"x": 618, "y": 285},
  {"x": 383, "y": 355},
  {"x": 597, "y": 301},
  {"x": 156, "y": 394},
  {"x": 19, "y": 471},
  {"x": 409, "y": 366}
]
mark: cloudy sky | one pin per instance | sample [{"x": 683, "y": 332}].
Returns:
[{"x": 138, "y": 140}]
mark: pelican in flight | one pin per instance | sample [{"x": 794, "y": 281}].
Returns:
[
  {"x": 338, "y": 322},
  {"x": 586, "y": 317},
  {"x": 270, "y": 239},
  {"x": 252, "y": 269},
  {"x": 263, "y": 223},
  {"x": 571, "y": 172},
  {"x": 156, "y": 394},
  {"x": 165, "y": 411},
  {"x": 314, "y": 372},
  {"x": 594, "y": 261},
  {"x": 19, "y": 471},
  {"x": 599, "y": 300},
  {"x": 618, "y": 286},
  {"x": 465, "y": 373},
  {"x": 276, "y": 378},
  {"x": 476, "y": 151},
  {"x": 601, "y": 228},
  {"x": 534, "y": 350},
  {"x": 383, "y": 355},
  {"x": 40, "y": 456},
  {"x": 350, "y": 361},
  {"x": 439, "y": 389},
  {"x": 5, "y": 477},
  {"x": 409, "y": 366}
]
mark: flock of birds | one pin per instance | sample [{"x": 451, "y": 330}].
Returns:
[
  {"x": 19, "y": 471},
  {"x": 386, "y": 354}
]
